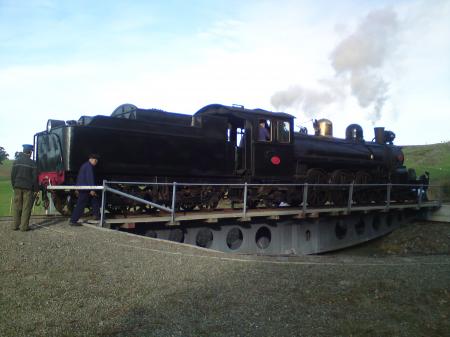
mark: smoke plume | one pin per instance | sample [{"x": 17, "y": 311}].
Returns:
[
  {"x": 357, "y": 60},
  {"x": 361, "y": 55},
  {"x": 308, "y": 100}
]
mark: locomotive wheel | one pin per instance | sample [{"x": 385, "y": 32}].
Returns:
[
  {"x": 339, "y": 195},
  {"x": 237, "y": 200},
  {"x": 295, "y": 196},
  {"x": 362, "y": 194},
  {"x": 64, "y": 202},
  {"x": 134, "y": 207},
  {"x": 210, "y": 197},
  {"x": 149, "y": 196},
  {"x": 317, "y": 195},
  {"x": 213, "y": 202},
  {"x": 274, "y": 199},
  {"x": 252, "y": 203},
  {"x": 187, "y": 199},
  {"x": 378, "y": 194},
  {"x": 187, "y": 206}
]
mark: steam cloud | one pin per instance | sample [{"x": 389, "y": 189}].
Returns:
[
  {"x": 357, "y": 61},
  {"x": 310, "y": 101}
]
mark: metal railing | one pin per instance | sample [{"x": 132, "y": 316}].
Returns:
[{"x": 419, "y": 189}]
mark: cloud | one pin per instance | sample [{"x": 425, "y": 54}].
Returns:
[
  {"x": 369, "y": 46},
  {"x": 310, "y": 101},
  {"x": 361, "y": 55},
  {"x": 357, "y": 61}
]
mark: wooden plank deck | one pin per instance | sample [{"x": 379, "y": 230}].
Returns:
[{"x": 215, "y": 215}]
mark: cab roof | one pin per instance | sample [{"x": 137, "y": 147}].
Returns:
[{"x": 240, "y": 112}]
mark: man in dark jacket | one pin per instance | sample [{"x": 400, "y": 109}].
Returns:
[
  {"x": 25, "y": 185},
  {"x": 86, "y": 177}
]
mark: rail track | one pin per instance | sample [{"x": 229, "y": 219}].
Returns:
[{"x": 36, "y": 217}]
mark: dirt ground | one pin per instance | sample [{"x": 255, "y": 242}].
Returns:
[{"x": 57, "y": 280}]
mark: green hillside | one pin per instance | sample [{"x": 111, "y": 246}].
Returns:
[
  {"x": 5, "y": 187},
  {"x": 6, "y": 190},
  {"x": 5, "y": 169},
  {"x": 434, "y": 158}
]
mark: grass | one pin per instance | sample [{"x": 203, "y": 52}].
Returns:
[
  {"x": 434, "y": 158},
  {"x": 5, "y": 196},
  {"x": 5, "y": 169},
  {"x": 5, "y": 187},
  {"x": 6, "y": 191}
]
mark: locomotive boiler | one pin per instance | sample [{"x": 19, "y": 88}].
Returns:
[{"x": 220, "y": 144}]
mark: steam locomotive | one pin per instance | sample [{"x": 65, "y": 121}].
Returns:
[{"x": 221, "y": 144}]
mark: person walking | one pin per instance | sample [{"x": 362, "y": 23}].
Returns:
[
  {"x": 25, "y": 185},
  {"x": 86, "y": 177}
]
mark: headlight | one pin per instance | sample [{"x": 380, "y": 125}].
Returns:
[{"x": 52, "y": 123}]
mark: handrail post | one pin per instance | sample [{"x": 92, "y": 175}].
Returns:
[
  {"x": 244, "y": 211},
  {"x": 50, "y": 204},
  {"x": 441, "y": 195},
  {"x": 174, "y": 190},
  {"x": 419, "y": 196},
  {"x": 102, "y": 208},
  {"x": 350, "y": 197},
  {"x": 10, "y": 206},
  {"x": 388, "y": 196},
  {"x": 305, "y": 196}
]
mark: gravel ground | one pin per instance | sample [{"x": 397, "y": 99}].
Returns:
[{"x": 57, "y": 280}]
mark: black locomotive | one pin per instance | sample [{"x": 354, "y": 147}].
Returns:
[{"x": 221, "y": 144}]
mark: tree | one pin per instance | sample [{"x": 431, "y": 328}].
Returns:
[{"x": 3, "y": 155}]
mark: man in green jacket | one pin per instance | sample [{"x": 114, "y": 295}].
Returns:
[{"x": 25, "y": 185}]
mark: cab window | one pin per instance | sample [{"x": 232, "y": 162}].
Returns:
[
  {"x": 283, "y": 131},
  {"x": 264, "y": 130},
  {"x": 240, "y": 137}
]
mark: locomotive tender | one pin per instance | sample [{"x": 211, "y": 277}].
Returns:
[{"x": 221, "y": 144}]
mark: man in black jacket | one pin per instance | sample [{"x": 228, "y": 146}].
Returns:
[
  {"x": 86, "y": 177},
  {"x": 25, "y": 185}
]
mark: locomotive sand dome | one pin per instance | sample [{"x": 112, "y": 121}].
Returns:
[
  {"x": 323, "y": 127},
  {"x": 200, "y": 162},
  {"x": 354, "y": 132}
]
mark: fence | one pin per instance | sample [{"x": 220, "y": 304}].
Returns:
[{"x": 419, "y": 191}]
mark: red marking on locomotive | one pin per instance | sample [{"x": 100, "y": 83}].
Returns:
[
  {"x": 275, "y": 160},
  {"x": 51, "y": 178}
]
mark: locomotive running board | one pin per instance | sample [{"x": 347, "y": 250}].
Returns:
[{"x": 213, "y": 216}]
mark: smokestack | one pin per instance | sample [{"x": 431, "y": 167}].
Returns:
[{"x": 379, "y": 135}]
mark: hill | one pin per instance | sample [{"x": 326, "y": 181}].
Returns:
[
  {"x": 5, "y": 187},
  {"x": 434, "y": 158},
  {"x": 5, "y": 169}
]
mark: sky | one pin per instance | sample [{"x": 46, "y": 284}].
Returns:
[{"x": 375, "y": 63}]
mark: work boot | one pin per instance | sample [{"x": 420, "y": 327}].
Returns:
[{"x": 74, "y": 223}]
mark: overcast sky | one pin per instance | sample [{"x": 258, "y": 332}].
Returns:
[{"x": 376, "y": 63}]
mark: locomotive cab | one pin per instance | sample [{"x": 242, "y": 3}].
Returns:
[
  {"x": 262, "y": 141},
  {"x": 273, "y": 155}
]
